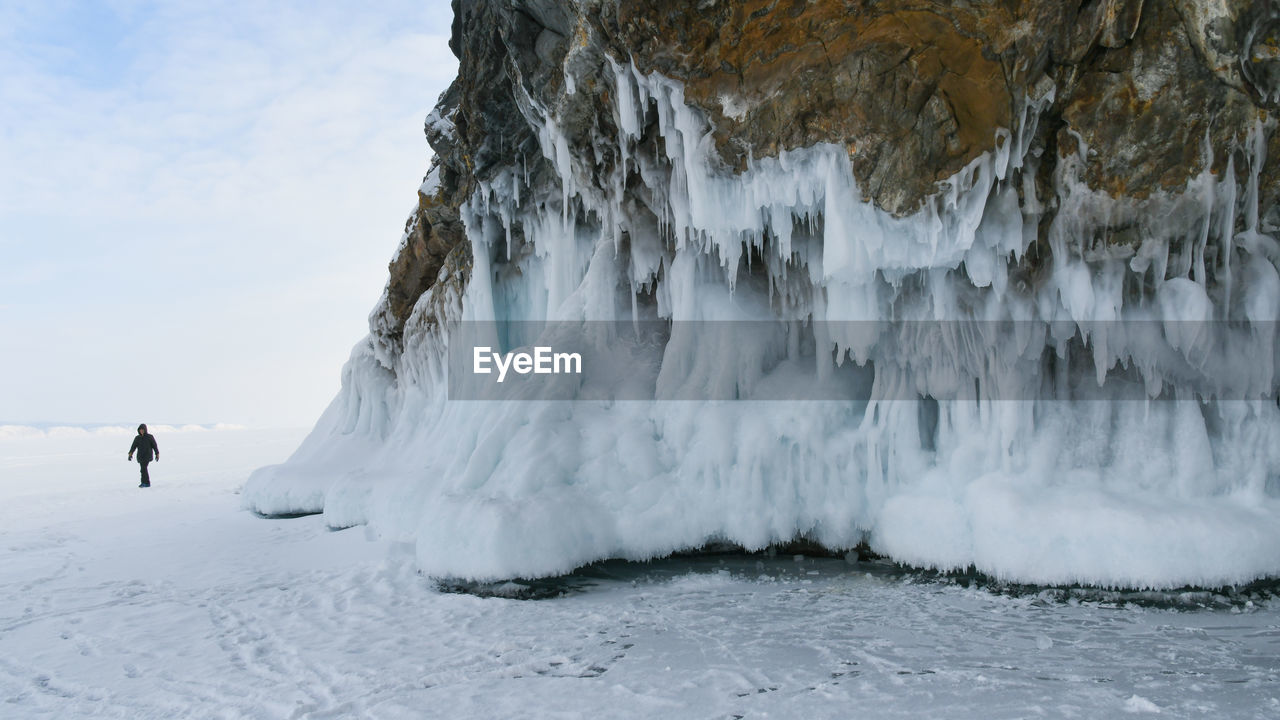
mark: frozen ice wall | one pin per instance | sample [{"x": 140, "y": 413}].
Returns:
[{"x": 1048, "y": 405}]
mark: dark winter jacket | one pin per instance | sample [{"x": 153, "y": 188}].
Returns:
[{"x": 145, "y": 445}]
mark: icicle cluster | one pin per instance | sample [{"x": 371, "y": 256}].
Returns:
[{"x": 1042, "y": 472}]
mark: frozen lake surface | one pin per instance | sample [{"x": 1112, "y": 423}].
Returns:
[{"x": 173, "y": 602}]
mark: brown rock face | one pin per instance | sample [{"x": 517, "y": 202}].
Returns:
[
  {"x": 917, "y": 90},
  {"x": 1146, "y": 93},
  {"x": 1151, "y": 112},
  {"x": 914, "y": 92},
  {"x": 431, "y": 233}
]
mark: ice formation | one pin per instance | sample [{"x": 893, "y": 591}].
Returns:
[{"x": 1123, "y": 428}]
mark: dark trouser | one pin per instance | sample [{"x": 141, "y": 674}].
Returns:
[{"x": 146, "y": 479}]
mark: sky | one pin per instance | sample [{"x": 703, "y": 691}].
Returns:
[{"x": 198, "y": 201}]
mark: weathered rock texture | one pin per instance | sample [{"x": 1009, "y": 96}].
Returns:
[{"x": 1144, "y": 94}]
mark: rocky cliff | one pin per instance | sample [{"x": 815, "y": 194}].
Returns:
[
  {"x": 1131, "y": 97},
  {"x": 990, "y": 284}
]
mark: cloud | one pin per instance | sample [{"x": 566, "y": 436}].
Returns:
[{"x": 175, "y": 177}]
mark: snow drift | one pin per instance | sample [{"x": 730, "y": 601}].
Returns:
[{"x": 1123, "y": 429}]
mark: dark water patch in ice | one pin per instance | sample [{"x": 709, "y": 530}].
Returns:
[
  {"x": 800, "y": 568},
  {"x": 516, "y": 589},
  {"x": 1232, "y": 597},
  {"x": 284, "y": 516},
  {"x": 765, "y": 565}
]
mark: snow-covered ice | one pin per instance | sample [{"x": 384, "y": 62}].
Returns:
[{"x": 173, "y": 602}]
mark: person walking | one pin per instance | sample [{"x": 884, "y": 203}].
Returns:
[{"x": 145, "y": 445}]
